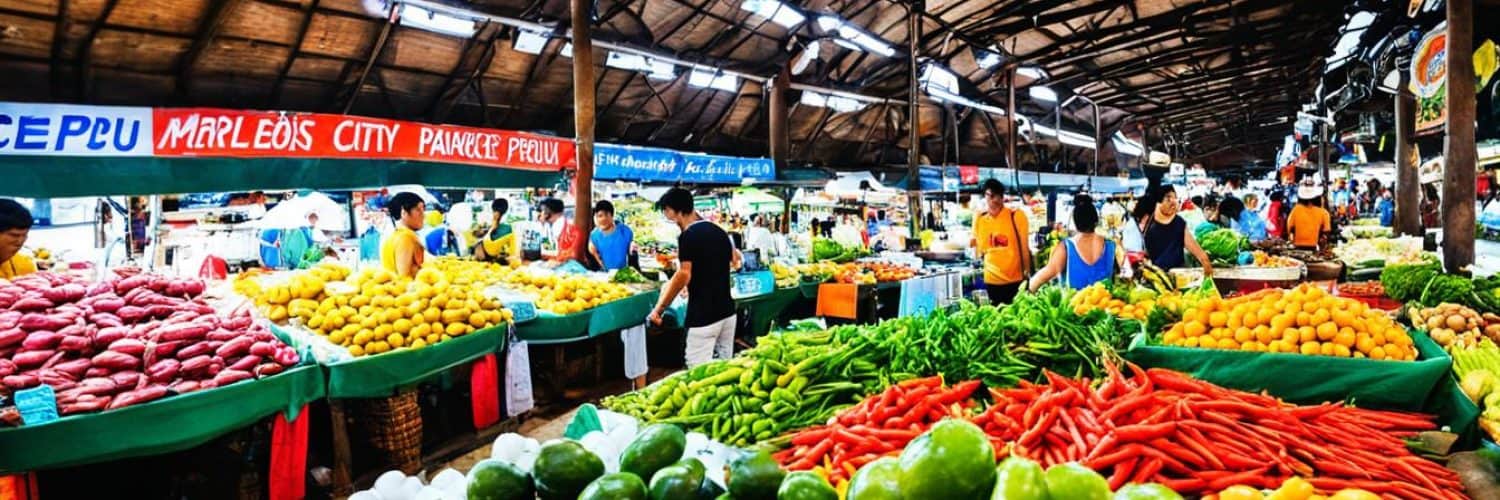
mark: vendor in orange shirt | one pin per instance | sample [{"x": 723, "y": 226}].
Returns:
[
  {"x": 1309, "y": 223},
  {"x": 15, "y": 225},
  {"x": 1001, "y": 240},
  {"x": 403, "y": 252}
]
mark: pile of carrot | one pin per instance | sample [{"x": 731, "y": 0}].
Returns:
[
  {"x": 880, "y": 425},
  {"x": 1197, "y": 438}
]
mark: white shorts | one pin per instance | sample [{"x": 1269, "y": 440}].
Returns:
[{"x": 715, "y": 340}]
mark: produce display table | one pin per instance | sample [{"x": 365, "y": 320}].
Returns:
[
  {"x": 385, "y": 374},
  {"x": 167, "y": 425},
  {"x": 549, "y": 328},
  {"x": 762, "y": 310},
  {"x": 1298, "y": 378}
]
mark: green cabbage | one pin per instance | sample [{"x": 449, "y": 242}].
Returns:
[{"x": 1223, "y": 244}]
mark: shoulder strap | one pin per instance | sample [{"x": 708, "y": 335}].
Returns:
[{"x": 1022, "y": 245}]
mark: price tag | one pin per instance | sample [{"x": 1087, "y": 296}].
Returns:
[
  {"x": 521, "y": 307},
  {"x": 753, "y": 284},
  {"x": 38, "y": 405}
]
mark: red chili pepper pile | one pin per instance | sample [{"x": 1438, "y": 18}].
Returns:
[
  {"x": 880, "y": 425},
  {"x": 1196, "y": 437}
]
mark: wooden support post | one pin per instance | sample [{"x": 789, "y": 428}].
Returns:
[
  {"x": 1458, "y": 146},
  {"x": 914, "y": 117},
  {"x": 776, "y": 122},
  {"x": 1408, "y": 189},
  {"x": 583, "y": 121},
  {"x": 343, "y": 482}
]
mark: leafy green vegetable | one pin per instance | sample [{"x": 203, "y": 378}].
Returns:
[
  {"x": 1447, "y": 288},
  {"x": 825, "y": 249},
  {"x": 1223, "y": 244},
  {"x": 1406, "y": 282},
  {"x": 628, "y": 274}
]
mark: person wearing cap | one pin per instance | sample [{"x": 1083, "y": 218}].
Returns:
[
  {"x": 15, "y": 226},
  {"x": 1309, "y": 223}
]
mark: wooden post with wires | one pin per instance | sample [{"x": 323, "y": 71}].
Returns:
[
  {"x": 583, "y": 123},
  {"x": 1458, "y": 146}
]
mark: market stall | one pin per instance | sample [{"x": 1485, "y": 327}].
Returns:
[{"x": 190, "y": 150}]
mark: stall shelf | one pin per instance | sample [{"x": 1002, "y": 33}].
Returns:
[{"x": 167, "y": 425}]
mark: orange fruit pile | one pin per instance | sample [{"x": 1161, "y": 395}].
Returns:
[{"x": 1306, "y": 320}]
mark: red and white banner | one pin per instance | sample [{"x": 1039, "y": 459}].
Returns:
[
  {"x": 249, "y": 134},
  {"x": 70, "y": 130}
]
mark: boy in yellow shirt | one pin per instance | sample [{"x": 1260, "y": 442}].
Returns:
[
  {"x": 15, "y": 224},
  {"x": 1001, "y": 239}
]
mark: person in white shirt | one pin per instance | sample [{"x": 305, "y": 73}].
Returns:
[{"x": 759, "y": 237}]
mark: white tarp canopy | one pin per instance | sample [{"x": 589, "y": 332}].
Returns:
[{"x": 293, "y": 213}]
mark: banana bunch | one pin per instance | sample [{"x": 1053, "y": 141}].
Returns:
[
  {"x": 786, "y": 276},
  {"x": 1156, "y": 279}
]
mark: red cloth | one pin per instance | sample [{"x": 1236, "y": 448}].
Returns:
[
  {"x": 289, "y": 457},
  {"x": 19, "y": 487},
  {"x": 484, "y": 392},
  {"x": 567, "y": 242}
]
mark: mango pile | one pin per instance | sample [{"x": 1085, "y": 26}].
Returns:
[
  {"x": 1306, "y": 320},
  {"x": 565, "y": 294},
  {"x": 376, "y": 311}
]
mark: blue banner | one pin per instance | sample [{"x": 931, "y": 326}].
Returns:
[
  {"x": 726, "y": 169},
  {"x": 636, "y": 164},
  {"x": 667, "y": 166}
]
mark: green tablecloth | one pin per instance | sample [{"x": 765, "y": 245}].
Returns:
[
  {"x": 1304, "y": 379},
  {"x": 1455, "y": 411},
  {"x": 382, "y": 375},
  {"x": 761, "y": 309},
  {"x": 162, "y": 426},
  {"x": 549, "y": 328}
]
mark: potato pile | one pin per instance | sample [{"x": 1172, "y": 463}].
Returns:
[{"x": 1455, "y": 326}]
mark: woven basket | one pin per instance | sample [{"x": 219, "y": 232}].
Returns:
[{"x": 394, "y": 427}]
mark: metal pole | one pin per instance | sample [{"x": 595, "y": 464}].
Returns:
[
  {"x": 1010, "y": 119},
  {"x": 1323, "y": 163},
  {"x": 914, "y": 152},
  {"x": 1062, "y": 149},
  {"x": 1098, "y": 142},
  {"x": 583, "y": 122}
]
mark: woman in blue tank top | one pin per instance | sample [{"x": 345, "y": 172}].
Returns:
[{"x": 1084, "y": 259}]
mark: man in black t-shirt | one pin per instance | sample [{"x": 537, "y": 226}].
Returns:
[{"x": 706, "y": 257}]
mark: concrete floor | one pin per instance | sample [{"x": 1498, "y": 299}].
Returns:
[{"x": 540, "y": 428}]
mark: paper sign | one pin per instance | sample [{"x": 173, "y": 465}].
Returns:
[
  {"x": 634, "y": 339},
  {"x": 518, "y": 395}
]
